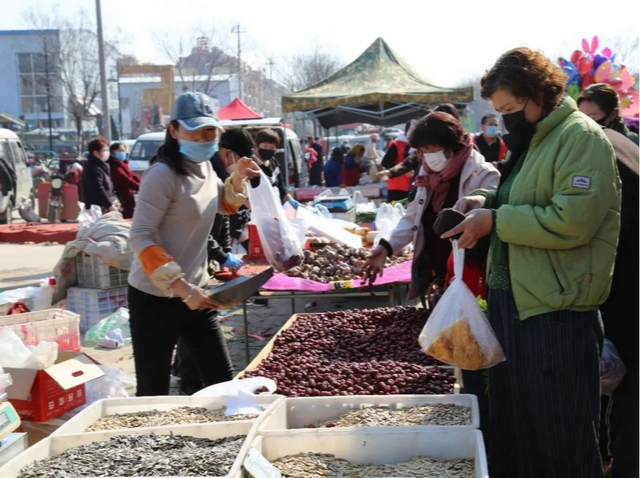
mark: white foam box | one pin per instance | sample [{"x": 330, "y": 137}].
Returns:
[
  {"x": 57, "y": 444},
  {"x": 110, "y": 406},
  {"x": 294, "y": 414},
  {"x": 380, "y": 446}
]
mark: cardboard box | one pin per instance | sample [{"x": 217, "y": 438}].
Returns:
[{"x": 40, "y": 395}]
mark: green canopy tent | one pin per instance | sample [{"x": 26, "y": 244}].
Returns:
[{"x": 378, "y": 87}]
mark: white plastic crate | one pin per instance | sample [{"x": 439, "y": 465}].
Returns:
[
  {"x": 380, "y": 446},
  {"x": 94, "y": 273},
  {"x": 294, "y": 414},
  {"x": 51, "y": 325},
  {"x": 102, "y": 408},
  {"x": 57, "y": 444},
  {"x": 94, "y": 305}
]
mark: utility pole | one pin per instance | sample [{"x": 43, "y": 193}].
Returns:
[
  {"x": 46, "y": 71},
  {"x": 237, "y": 29},
  {"x": 106, "y": 114},
  {"x": 271, "y": 96}
]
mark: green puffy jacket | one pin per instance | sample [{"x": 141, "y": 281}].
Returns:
[{"x": 563, "y": 216}]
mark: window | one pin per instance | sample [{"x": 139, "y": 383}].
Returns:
[
  {"x": 144, "y": 150},
  {"x": 33, "y": 84}
]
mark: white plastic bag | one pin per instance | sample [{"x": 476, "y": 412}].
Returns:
[
  {"x": 35, "y": 298},
  {"x": 241, "y": 396},
  {"x": 88, "y": 216},
  {"x": 612, "y": 368},
  {"x": 387, "y": 219},
  {"x": 282, "y": 239},
  {"x": 15, "y": 354},
  {"x": 457, "y": 332},
  {"x": 5, "y": 381}
]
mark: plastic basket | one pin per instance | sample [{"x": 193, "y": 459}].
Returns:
[
  {"x": 57, "y": 444},
  {"x": 51, "y": 325},
  {"x": 93, "y": 305},
  {"x": 95, "y": 274},
  {"x": 381, "y": 446},
  {"x": 111, "y": 406},
  {"x": 294, "y": 414}
]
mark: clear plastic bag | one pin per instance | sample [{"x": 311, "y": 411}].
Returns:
[
  {"x": 612, "y": 368},
  {"x": 282, "y": 239},
  {"x": 457, "y": 332},
  {"x": 118, "y": 320}
]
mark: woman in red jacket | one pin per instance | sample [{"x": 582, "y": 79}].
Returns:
[{"x": 125, "y": 182}]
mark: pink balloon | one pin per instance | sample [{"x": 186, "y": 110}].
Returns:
[{"x": 607, "y": 52}]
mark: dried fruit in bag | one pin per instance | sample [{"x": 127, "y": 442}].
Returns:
[{"x": 457, "y": 332}]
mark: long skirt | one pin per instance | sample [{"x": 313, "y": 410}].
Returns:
[{"x": 544, "y": 400}]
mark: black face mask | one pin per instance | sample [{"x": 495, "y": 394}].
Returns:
[
  {"x": 266, "y": 154},
  {"x": 601, "y": 121},
  {"x": 520, "y": 130}
]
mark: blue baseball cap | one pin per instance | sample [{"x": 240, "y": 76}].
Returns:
[{"x": 194, "y": 110}]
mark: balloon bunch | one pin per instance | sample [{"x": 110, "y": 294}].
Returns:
[{"x": 587, "y": 66}]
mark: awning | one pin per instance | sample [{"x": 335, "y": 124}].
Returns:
[
  {"x": 237, "y": 110},
  {"x": 378, "y": 88},
  {"x": 6, "y": 118}
]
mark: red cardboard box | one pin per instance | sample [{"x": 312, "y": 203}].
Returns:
[
  {"x": 40, "y": 395},
  {"x": 255, "y": 245}
]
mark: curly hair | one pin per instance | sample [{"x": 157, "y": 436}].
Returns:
[
  {"x": 527, "y": 74},
  {"x": 438, "y": 129}
]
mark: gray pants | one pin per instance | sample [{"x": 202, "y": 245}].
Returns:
[{"x": 544, "y": 400}]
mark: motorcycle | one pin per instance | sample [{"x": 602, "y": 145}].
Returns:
[{"x": 56, "y": 183}]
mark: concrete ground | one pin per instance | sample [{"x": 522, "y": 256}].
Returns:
[{"x": 25, "y": 264}]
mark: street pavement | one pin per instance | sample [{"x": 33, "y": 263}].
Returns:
[{"x": 25, "y": 264}]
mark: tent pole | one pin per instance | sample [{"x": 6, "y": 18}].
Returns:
[{"x": 286, "y": 152}]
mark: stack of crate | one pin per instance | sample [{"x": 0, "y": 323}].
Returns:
[{"x": 102, "y": 290}]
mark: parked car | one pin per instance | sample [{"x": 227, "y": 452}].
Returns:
[
  {"x": 13, "y": 158},
  {"x": 145, "y": 147},
  {"x": 298, "y": 175}
]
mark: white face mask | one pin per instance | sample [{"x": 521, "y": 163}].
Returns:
[
  {"x": 105, "y": 156},
  {"x": 436, "y": 161},
  {"x": 231, "y": 169}
]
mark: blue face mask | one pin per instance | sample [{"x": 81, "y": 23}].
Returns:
[
  {"x": 121, "y": 155},
  {"x": 198, "y": 151},
  {"x": 491, "y": 131}
]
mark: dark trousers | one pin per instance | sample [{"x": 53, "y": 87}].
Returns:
[
  {"x": 396, "y": 195},
  {"x": 544, "y": 399},
  {"x": 623, "y": 434},
  {"x": 315, "y": 174},
  {"x": 156, "y": 325}
]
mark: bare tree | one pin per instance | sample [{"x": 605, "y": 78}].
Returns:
[
  {"x": 199, "y": 58},
  {"x": 127, "y": 60},
  {"x": 73, "y": 76},
  {"x": 626, "y": 49},
  {"x": 307, "y": 69}
]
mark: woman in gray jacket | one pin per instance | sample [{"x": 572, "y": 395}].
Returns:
[{"x": 179, "y": 197}]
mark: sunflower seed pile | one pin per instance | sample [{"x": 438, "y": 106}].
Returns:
[
  {"x": 156, "y": 418},
  {"x": 441, "y": 414},
  {"x": 315, "y": 465},
  {"x": 141, "y": 455}
]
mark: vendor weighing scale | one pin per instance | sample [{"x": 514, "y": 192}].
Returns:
[
  {"x": 11, "y": 444},
  {"x": 335, "y": 203}
]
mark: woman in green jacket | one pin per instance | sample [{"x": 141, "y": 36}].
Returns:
[{"x": 554, "y": 222}]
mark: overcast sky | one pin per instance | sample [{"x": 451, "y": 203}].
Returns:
[{"x": 445, "y": 40}]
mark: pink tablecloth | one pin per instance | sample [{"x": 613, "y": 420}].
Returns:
[{"x": 397, "y": 273}]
